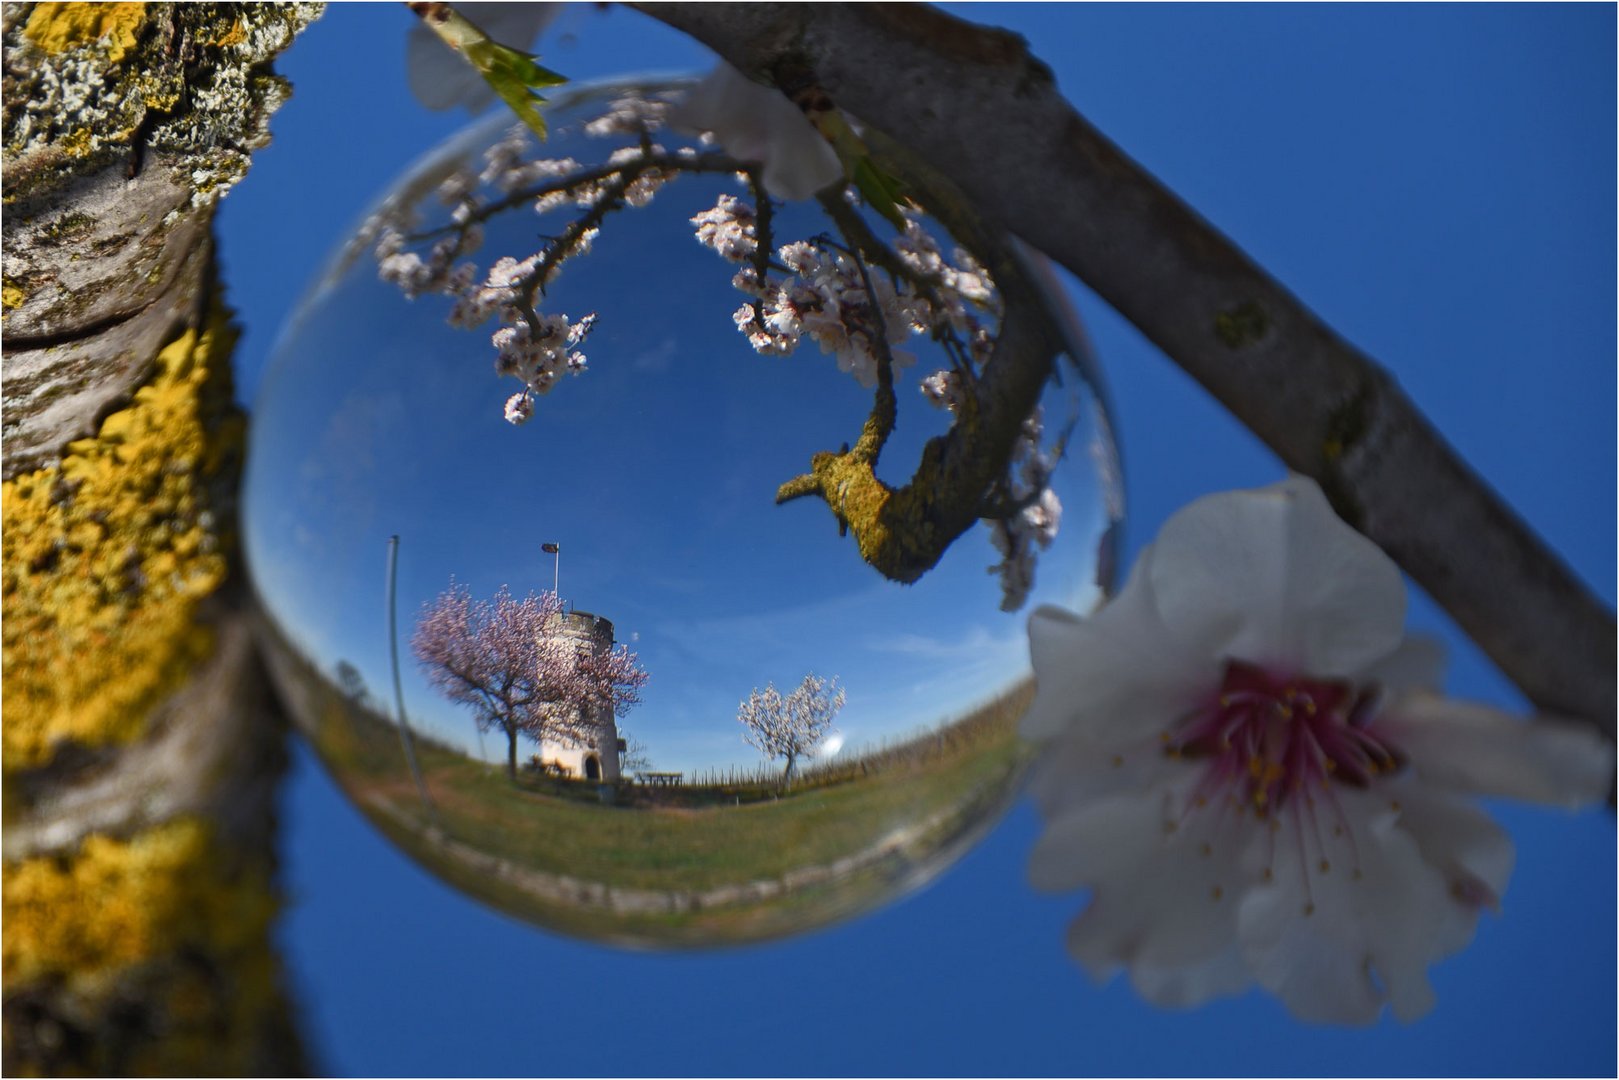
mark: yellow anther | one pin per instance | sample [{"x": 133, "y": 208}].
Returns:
[
  {"x": 1309, "y": 909},
  {"x": 1325, "y": 866},
  {"x": 1118, "y": 760},
  {"x": 1216, "y": 892},
  {"x": 1207, "y": 850},
  {"x": 1270, "y": 875}
]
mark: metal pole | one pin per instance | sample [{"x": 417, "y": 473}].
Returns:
[
  {"x": 399, "y": 690},
  {"x": 556, "y": 570}
]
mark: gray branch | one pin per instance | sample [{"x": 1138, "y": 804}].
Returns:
[{"x": 1327, "y": 410}]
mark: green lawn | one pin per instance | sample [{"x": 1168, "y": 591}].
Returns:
[{"x": 892, "y": 816}]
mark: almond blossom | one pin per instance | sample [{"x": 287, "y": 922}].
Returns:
[{"x": 1249, "y": 769}]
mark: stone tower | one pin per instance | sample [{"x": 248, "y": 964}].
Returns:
[{"x": 594, "y": 755}]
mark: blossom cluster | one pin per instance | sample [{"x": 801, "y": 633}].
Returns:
[
  {"x": 539, "y": 351},
  {"x": 630, "y": 115},
  {"x": 536, "y": 348},
  {"x": 826, "y": 297},
  {"x": 1032, "y": 524},
  {"x": 1037, "y": 517},
  {"x": 957, "y": 285},
  {"x": 730, "y": 228}
]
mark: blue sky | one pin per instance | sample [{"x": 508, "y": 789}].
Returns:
[
  {"x": 1438, "y": 183},
  {"x": 655, "y": 471}
]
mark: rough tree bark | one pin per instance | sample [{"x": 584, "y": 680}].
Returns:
[
  {"x": 141, "y": 750},
  {"x": 1326, "y": 409}
]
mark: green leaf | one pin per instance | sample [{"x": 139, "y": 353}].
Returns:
[
  {"x": 881, "y": 191},
  {"x": 515, "y": 76}
]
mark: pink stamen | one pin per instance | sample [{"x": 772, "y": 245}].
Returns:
[{"x": 1276, "y": 736}]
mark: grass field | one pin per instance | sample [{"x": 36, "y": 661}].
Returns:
[{"x": 694, "y": 865}]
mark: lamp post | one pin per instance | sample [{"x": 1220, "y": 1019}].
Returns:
[
  {"x": 399, "y": 692},
  {"x": 554, "y": 550}
]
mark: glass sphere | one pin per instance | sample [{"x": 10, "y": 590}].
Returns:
[{"x": 595, "y": 668}]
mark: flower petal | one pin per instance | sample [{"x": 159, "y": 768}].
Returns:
[
  {"x": 1118, "y": 674},
  {"x": 1164, "y": 897},
  {"x": 758, "y": 123},
  {"x": 1074, "y": 771},
  {"x": 1101, "y": 841},
  {"x": 1350, "y": 919},
  {"x": 1465, "y": 845},
  {"x": 1417, "y": 664},
  {"x": 1474, "y": 748},
  {"x": 1220, "y": 975},
  {"x": 1273, "y": 576}
]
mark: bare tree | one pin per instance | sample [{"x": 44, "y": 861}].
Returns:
[
  {"x": 352, "y": 683},
  {"x": 503, "y": 659},
  {"x": 635, "y": 757},
  {"x": 792, "y": 726}
]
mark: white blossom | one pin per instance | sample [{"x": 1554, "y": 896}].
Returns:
[
  {"x": 499, "y": 291},
  {"x": 943, "y": 390},
  {"x": 729, "y": 228},
  {"x": 541, "y": 352},
  {"x": 519, "y": 407},
  {"x": 639, "y": 191},
  {"x": 1249, "y": 773},
  {"x": 959, "y": 284},
  {"x": 629, "y": 116},
  {"x": 1021, "y": 535},
  {"x": 826, "y": 299},
  {"x": 758, "y": 124}
]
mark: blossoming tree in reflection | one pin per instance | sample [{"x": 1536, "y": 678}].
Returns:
[
  {"x": 1250, "y": 770},
  {"x": 503, "y": 659},
  {"x": 794, "y": 726}
]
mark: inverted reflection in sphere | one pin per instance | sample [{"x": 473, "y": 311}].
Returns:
[{"x": 693, "y": 647}]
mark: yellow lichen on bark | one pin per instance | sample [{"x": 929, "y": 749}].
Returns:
[
  {"x": 56, "y": 27},
  {"x": 113, "y": 904},
  {"x": 106, "y": 557}
]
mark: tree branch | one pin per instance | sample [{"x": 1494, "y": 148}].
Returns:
[{"x": 1327, "y": 410}]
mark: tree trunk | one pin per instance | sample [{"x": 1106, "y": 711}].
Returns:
[
  {"x": 511, "y": 753},
  {"x": 141, "y": 754}
]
